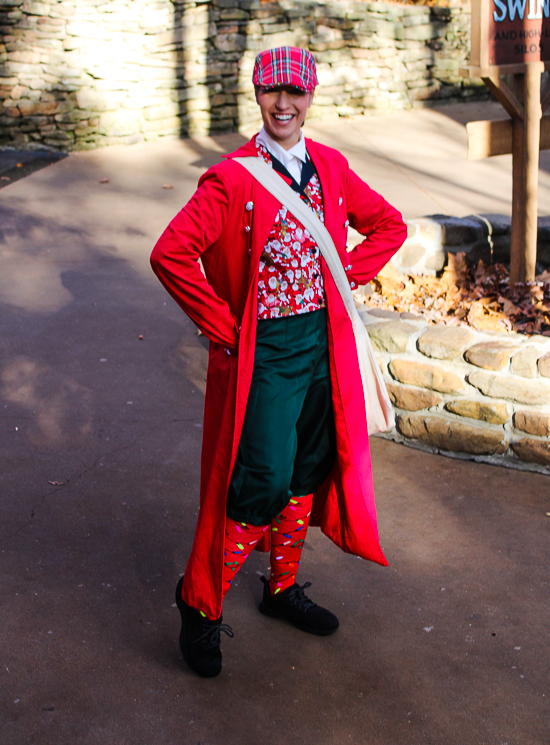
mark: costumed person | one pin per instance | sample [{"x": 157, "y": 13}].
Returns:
[{"x": 285, "y": 439}]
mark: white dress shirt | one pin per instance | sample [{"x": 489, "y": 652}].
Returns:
[{"x": 292, "y": 159}]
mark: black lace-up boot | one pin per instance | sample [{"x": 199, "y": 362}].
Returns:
[
  {"x": 294, "y": 606},
  {"x": 200, "y": 638}
]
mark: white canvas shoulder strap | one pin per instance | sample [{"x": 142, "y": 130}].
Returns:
[{"x": 379, "y": 409}]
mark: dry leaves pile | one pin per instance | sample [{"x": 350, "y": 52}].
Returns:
[{"x": 481, "y": 298}]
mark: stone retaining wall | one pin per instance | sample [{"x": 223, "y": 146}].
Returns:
[
  {"x": 479, "y": 237},
  {"x": 456, "y": 390},
  {"x": 77, "y": 74},
  {"x": 462, "y": 392}
]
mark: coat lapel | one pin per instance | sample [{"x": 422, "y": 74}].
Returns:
[{"x": 263, "y": 217}]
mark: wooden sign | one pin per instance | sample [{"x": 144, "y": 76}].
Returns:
[
  {"x": 512, "y": 38},
  {"x": 510, "y": 32}
]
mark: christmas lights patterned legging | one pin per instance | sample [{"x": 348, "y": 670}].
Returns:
[{"x": 288, "y": 532}]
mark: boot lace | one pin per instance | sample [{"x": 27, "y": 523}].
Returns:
[
  {"x": 297, "y": 597},
  {"x": 211, "y": 637}
]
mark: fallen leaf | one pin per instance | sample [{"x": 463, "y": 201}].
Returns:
[
  {"x": 408, "y": 291},
  {"x": 508, "y": 306},
  {"x": 56, "y": 483},
  {"x": 104, "y": 180},
  {"x": 457, "y": 268},
  {"x": 389, "y": 271},
  {"x": 481, "y": 298},
  {"x": 167, "y": 186},
  {"x": 537, "y": 293}
]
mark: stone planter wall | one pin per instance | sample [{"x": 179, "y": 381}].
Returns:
[
  {"x": 77, "y": 74},
  {"x": 463, "y": 392},
  {"x": 486, "y": 238},
  {"x": 458, "y": 391}
]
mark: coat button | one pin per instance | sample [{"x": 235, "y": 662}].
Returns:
[
  {"x": 340, "y": 201},
  {"x": 348, "y": 245},
  {"x": 348, "y": 268},
  {"x": 247, "y": 228},
  {"x": 249, "y": 206},
  {"x": 346, "y": 223},
  {"x": 352, "y": 285}
]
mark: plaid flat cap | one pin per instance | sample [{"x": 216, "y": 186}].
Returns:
[{"x": 285, "y": 66}]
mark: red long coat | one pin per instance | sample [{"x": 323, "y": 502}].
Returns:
[{"x": 213, "y": 226}]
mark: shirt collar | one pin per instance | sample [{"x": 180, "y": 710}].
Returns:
[{"x": 285, "y": 156}]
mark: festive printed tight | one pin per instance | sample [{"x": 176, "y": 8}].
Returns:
[
  {"x": 240, "y": 539},
  {"x": 288, "y": 532}
]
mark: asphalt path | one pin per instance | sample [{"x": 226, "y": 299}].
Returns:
[
  {"x": 18, "y": 164},
  {"x": 101, "y": 398}
]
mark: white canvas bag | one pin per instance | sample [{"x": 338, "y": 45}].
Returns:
[{"x": 380, "y": 416}]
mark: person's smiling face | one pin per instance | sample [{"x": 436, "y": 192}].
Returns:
[{"x": 283, "y": 112}]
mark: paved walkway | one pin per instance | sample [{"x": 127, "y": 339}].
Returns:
[
  {"x": 18, "y": 164},
  {"x": 101, "y": 394}
]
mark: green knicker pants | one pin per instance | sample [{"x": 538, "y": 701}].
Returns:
[{"x": 288, "y": 442}]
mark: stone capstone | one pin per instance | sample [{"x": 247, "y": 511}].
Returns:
[
  {"x": 429, "y": 230},
  {"x": 436, "y": 261},
  {"x": 544, "y": 365},
  {"x": 406, "y": 316},
  {"x": 444, "y": 342},
  {"x": 381, "y": 313},
  {"x": 410, "y": 254},
  {"x": 425, "y": 376},
  {"x": 412, "y": 399},
  {"x": 392, "y": 336},
  {"x": 458, "y": 231},
  {"x": 524, "y": 363},
  {"x": 451, "y": 435},
  {"x": 533, "y": 451},
  {"x": 491, "y": 355},
  {"x": 512, "y": 389},
  {"x": 485, "y": 412},
  {"x": 533, "y": 422},
  {"x": 422, "y": 252}
]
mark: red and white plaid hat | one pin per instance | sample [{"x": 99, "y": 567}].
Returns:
[{"x": 285, "y": 66}]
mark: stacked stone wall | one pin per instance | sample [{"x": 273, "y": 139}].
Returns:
[
  {"x": 464, "y": 392},
  {"x": 457, "y": 390},
  {"x": 77, "y": 74}
]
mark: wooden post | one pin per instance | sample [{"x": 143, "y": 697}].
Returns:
[
  {"x": 530, "y": 170},
  {"x": 517, "y": 263},
  {"x": 508, "y": 40},
  {"x": 522, "y": 100}
]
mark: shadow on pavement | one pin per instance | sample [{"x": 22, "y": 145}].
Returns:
[{"x": 16, "y": 164}]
